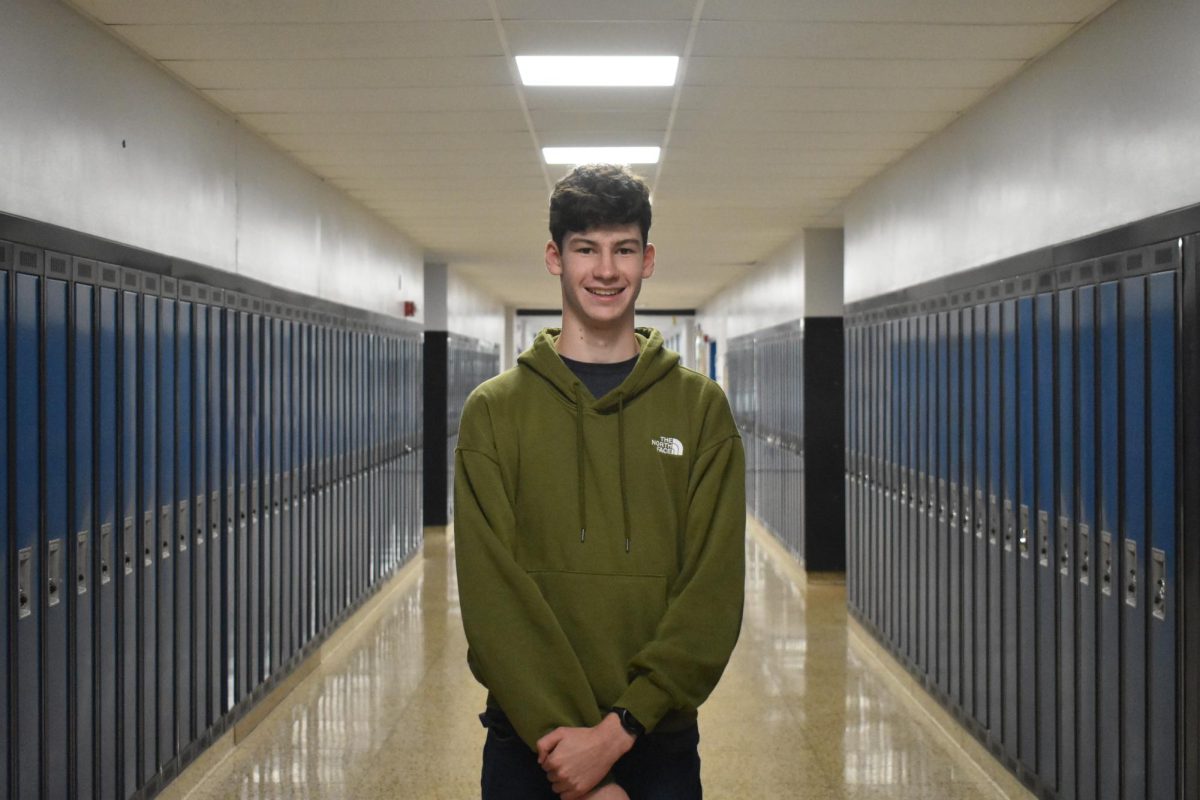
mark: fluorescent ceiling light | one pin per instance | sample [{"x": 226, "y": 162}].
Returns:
[
  {"x": 598, "y": 70},
  {"x": 600, "y": 155}
]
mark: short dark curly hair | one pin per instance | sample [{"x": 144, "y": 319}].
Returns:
[{"x": 598, "y": 195}]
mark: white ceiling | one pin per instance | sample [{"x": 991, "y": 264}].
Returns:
[{"x": 412, "y": 107}]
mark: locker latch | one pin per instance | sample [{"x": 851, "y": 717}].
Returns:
[
  {"x": 1158, "y": 581},
  {"x": 1009, "y": 526},
  {"x": 24, "y": 582},
  {"x": 127, "y": 545},
  {"x": 1044, "y": 538},
  {"x": 53, "y": 571},
  {"x": 1131, "y": 573},
  {"x": 1085, "y": 555},
  {"x": 1064, "y": 547},
  {"x": 199, "y": 506},
  {"x": 1106, "y": 562},
  {"x": 105, "y": 545},
  {"x": 148, "y": 538},
  {"x": 1023, "y": 541},
  {"x": 165, "y": 517},
  {"x": 81, "y": 562},
  {"x": 993, "y": 520},
  {"x": 184, "y": 525},
  {"x": 980, "y": 514},
  {"x": 953, "y": 504},
  {"x": 214, "y": 517}
]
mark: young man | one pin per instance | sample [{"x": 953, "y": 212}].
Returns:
[{"x": 599, "y": 526}]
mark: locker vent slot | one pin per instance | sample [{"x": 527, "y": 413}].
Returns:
[
  {"x": 1133, "y": 262},
  {"x": 27, "y": 259},
  {"x": 57, "y": 266},
  {"x": 1163, "y": 256}
]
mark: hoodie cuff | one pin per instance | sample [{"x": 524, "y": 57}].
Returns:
[{"x": 648, "y": 703}]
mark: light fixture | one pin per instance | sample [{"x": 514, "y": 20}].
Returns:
[
  {"x": 598, "y": 70},
  {"x": 601, "y": 155}
]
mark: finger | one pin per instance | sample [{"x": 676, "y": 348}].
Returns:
[{"x": 547, "y": 743}]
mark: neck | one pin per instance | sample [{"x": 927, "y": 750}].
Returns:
[{"x": 596, "y": 346}]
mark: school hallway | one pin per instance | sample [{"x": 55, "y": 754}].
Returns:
[{"x": 806, "y": 708}]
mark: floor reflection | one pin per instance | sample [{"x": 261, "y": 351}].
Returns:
[{"x": 802, "y": 711}]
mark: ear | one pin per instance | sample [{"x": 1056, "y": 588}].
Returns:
[
  {"x": 553, "y": 258},
  {"x": 647, "y": 260}
]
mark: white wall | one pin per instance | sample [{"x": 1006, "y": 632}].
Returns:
[
  {"x": 473, "y": 312},
  {"x": 772, "y": 294},
  {"x": 1100, "y": 132},
  {"x": 96, "y": 139}
]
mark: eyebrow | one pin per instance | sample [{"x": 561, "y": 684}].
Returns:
[{"x": 582, "y": 240}]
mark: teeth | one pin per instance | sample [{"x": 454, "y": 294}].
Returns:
[{"x": 605, "y": 292}]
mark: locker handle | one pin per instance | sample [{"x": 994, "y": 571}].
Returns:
[
  {"x": 184, "y": 525},
  {"x": 1085, "y": 554},
  {"x": 147, "y": 537},
  {"x": 1131, "y": 573},
  {"x": 105, "y": 544},
  {"x": 53, "y": 571},
  {"x": 1023, "y": 541},
  {"x": 81, "y": 560},
  {"x": 1064, "y": 549},
  {"x": 24, "y": 581},
  {"x": 1106, "y": 561},
  {"x": 1158, "y": 579},
  {"x": 165, "y": 514},
  {"x": 127, "y": 545}
]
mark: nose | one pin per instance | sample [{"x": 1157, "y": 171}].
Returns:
[{"x": 606, "y": 265}]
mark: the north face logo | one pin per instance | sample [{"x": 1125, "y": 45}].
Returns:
[{"x": 668, "y": 446}]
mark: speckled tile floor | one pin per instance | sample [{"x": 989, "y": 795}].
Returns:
[{"x": 808, "y": 708}]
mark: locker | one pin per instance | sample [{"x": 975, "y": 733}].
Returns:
[
  {"x": 893, "y": 482},
  {"x": 1087, "y": 549},
  {"x": 1025, "y": 561},
  {"x": 922, "y": 529},
  {"x": 1108, "y": 456},
  {"x": 941, "y": 415},
  {"x": 201, "y": 515},
  {"x": 1064, "y": 381},
  {"x": 241, "y": 555},
  {"x": 56, "y": 536},
  {"x": 254, "y": 466},
  {"x": 185, "y": 546},
  {"x": 165, "y": 639},
  {"x": 106, "y": 559},
  {"x": 5, "y": 536},
  {"x": 232, "y": 450},
  {"x": 82, "y": 539},
  {"x": 1161, "y": 591},
  {"x": 220, "y": 527},
  {"x": 130, "y": 571},
  {"x": 912, "y": 534},
  {"x": 1131, "y": 559},
  {"x": 1010, "y": 652},
  {"x": 287, "y": 543},
  {"x": 953, "y": 532},
  {"x": 1045, "y": 546},
  {"x": 995, "y": 651},
  {"x": 270, "y": 575},
  {"x": 970, "y": 627},
  {"x": 27, "y": 484},
  {"x": 854, "y": 533}
]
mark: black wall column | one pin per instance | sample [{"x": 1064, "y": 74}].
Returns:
[
  {"x": 824, "y": 446},
  {"x": 436, "y": 468}
]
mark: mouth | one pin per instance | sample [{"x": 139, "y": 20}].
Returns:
[{"x": 605, "y": 292}]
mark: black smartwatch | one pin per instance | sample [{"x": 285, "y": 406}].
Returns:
[{"x": 629, "y": 722}]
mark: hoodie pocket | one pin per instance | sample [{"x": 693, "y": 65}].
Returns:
[{"x": 607, "y": 619}]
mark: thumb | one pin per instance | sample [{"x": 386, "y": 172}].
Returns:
[{"x": 547, "y": 743}]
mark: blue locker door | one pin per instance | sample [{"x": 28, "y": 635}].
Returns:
[
  {"x": 911, "y": 538},
  {"x": 288, "y": 502},
  {"x": 966, "y": 507},
  {"x": 241, "y": 556},
  {"x": 942, "y": 418},
  {"x": 268, "y": 572},
  {"x": 1131, "y": 560},
  {"x": 129, "y": 572},
  {"x": 107, "y": 556},
  {"x": 1161, "y": 589},
  {"x": 1025, "y": 679},
  {"x": 230, "y": 457},
  {"x": 27, "y": 485},
  {"x": 995, "y": 652},
  {"x": 1108, "y": 454},
  {"x": 5, "y": 536},
  {"x": 148, "y": 586},
  {"x": 1087, "y": 548},
  {"x": 921, "y": 537},
  {"x": 953, "y": 532},
  {"x": 1047, "y": 605},
  {"x": 220, "y": 523},
  {"x": 893, "y": 481},
  {"x": 56, "y": 537},
  {"x": 185, "y": 545},
  {"x": 202, "y": 547},
  {"x": 83, "y": 622},
  {"x": 1064, "y": 382},
  {"x": 980, "y": 526},
  {"x": 256, "y": 631},
  {"x": 166, "y": 529},
  {"x": 1009, "y": 667}
]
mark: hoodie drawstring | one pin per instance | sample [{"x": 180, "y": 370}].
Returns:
[{"x": 579, "y": 463}]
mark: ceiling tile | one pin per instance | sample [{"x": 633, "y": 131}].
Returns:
[
  {"x": 191, "y": 12},
  {"x": 385, "y": 121},
  {"x": 983, "y": 12},
  {"x": 426, "y": 142},
  {"x": 754, "y": 141},
  {"x": 814, "y": 121},
  {"x": 460, "y": 98},
  {"x": 576, "y": 122},
  {"x": 849, "y": 72},
  {"x": 546, "y": 37},
  {"x": 883, "y": 40},
  {"x": 325, "y": 41},
  {"x": 344, "y": 73},
  {"x": 633, "y": 137},
  {"x": 622, "y": 10},
  {"x": 894, "y": 98},
  {"x": 598, "y": 99}
]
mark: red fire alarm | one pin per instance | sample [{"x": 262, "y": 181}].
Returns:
[{"x": 410, "y": 308}]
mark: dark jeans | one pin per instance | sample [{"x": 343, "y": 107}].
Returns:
[{"x": 661, "y": 766}]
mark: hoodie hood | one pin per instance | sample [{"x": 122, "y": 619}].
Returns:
[{"x": 654, "y": 363}]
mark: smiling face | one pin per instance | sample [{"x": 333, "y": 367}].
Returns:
[{"x": 601, "y": 270}]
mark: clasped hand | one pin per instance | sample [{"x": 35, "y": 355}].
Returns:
[{"x": 576, "y": 759}]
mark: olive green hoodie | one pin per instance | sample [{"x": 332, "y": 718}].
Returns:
[{"x": 599, "y": 542}]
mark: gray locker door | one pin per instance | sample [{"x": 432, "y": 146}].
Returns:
[
  {"x": 130, "y": 571},
  {"x": 954, "y": 482},
  {"x": 108, "y": 553},
  {"x": 970, "y": 629},
  {"x": 165, "y": 669},
  {"x": 201, "y": 515},
  {"x": 184, "y": 682},
  {"x": 6, "y": 587},
  {"x": 982, "y": 526},
  {"x": 1086, "y": 548},
  {"x": 1026, "y": 677},
  {"x": 1108, "y": 455},
  {"x": 1046, "y": 547},
  {"x": 1064, "y": 382}
]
